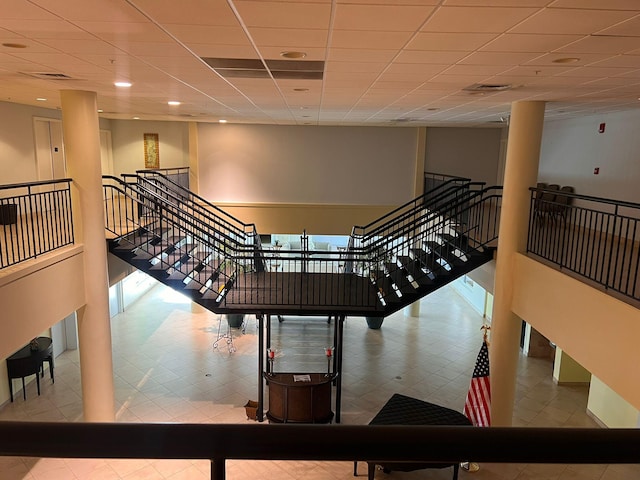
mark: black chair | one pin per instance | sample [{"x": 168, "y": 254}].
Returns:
[
  {"x": 562, "y": 203},
  {"x": 545, "y": 202}
]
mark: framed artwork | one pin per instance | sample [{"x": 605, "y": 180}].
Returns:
[{"x": 151, "y": 150}]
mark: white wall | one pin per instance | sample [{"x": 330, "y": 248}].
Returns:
[
  {"x": 465, "y": 152},
  {"x": 17, "y": 150},
  {"x": 571, "y": 149},
  {"x": 128, "y": 144},
  {"x": 307, "y": 164}
]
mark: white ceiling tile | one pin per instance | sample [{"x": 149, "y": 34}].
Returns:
[
  {"x": 291, "y": 38},
  {"x": 497, "y": 3},
  {"x": 476, "y": 19},
  {"x": 224, "y": 51},
  {"x": 380, "y": 17},
  {"x": 360, "y": 55},
  {"x": 466, "y": 42},
  {"x": 522, "y": 42},
  {"x": 597, "y": 72},
  {"x": 331, "y": 67},
  {"x": 23, "y": 10},
  {"x": 96, "y": 11},
  {"x": 603, "y": 44},
  {"x": 193, "y": 12},
  {"x": 44, "y": 29},
  {"x": 369, "y": 40},
  {"x": 87, "y": 46},
  {"x": 629, "y": 28},
  {"x": 631, "y": 61},
  {"x": 498, "y": 58},
  {"x": 570, "y": 21},
  {"x": 299, "y": 15},
  {"x": 583, "y": 59},
  {"x": 152, "y": 48},
  {"x": 482, "y": 70},
  {"x": 429, "y": 56},
  {"x": 415, "y": 69},
  {"x": 133, "y": 32},
  {"x": 217, "y": 34},
  {"x": 598, "y": 4}
]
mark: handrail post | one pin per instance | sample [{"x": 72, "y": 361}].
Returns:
[
  {"x": 218, "y": 468},
  {"x": 613, "y": 232},
  {"x": 33, "y": 231}
]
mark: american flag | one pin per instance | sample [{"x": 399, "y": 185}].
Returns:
[{"x": 477, "y": 406}]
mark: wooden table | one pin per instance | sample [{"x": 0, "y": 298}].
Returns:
[
  {"x": 27, "y": 362},
  {"x": 292, "y": 401}
]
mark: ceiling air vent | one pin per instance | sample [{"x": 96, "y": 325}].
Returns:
[
  {"x": 254, "y": 68},
  {"x": 48, "y": 75},
  {"x": 488, "y": 87}
]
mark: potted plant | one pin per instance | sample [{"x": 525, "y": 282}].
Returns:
[
  {"x": 374, "y": 323},
  {"x": 235, "y": 320}
]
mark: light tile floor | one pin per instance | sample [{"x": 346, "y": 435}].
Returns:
[{"x": 166, "y": 370}]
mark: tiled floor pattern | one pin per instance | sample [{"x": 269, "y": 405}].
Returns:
[{"x": 166, "y": 370}]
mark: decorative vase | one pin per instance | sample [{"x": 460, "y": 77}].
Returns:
[{"x": 374, "y": 323}]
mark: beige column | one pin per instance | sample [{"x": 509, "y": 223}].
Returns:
[
  {"x": 194, "y": 164},
  {"x": 414, "y": 309},
  {"x": 521, "y": 172},
  {"x": 82, "y": 146}
]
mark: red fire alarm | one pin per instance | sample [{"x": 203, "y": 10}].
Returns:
[
  {"x": 601, "y": 128},
  {"x": 596, "y": 170}
]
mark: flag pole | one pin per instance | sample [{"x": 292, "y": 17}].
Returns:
[{"x": 472, "y": 467}]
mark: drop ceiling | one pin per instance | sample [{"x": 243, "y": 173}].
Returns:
[{"x": 373, "y": 62}]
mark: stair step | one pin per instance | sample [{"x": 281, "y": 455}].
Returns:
[
  {"x": 139, "y": 238},
  {"x": 445, "y": 251},
  {"x": 430, "y": 260},
  {"x": 173, "y": 256},
  {"x": 384, "y": 284},
  {"x": 399, "y": 278},
  {"x": 205, "y": 274},
  {"x": 419, "y": 273}
]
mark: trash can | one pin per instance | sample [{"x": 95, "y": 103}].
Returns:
[{"x": 8, "y": 213}]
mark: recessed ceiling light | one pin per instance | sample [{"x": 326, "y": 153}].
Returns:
[
  {"x": 100, "y": 110},
  {"x": 566, "y": 60},
  {"x": 173, "y": 102},
  {"x": 14, "y": 45},
  {"x": 136, "y": 118},
  {"x": 41, "y": 99},
  {"x": 300, "y": 89},
  {"x": 222, "y": 120},
  {"x": 122, "y": 84},
  {"x": 293, "y": 54}
]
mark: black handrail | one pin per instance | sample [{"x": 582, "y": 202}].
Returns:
[
  {"x": 37, "y": 219},
  {"x": 590, "y": 237},
  {"x": 188, "y": 194},
  {"x": 414, "y": 444},
  {"x": 414, "y": 203}
]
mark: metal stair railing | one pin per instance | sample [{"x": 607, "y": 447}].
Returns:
[
  {"x": 473, "y": 220},
  {"x": 198, "y": 206},
  {"x": 145, "y": 210}
]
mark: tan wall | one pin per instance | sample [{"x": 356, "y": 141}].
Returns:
[
  {"x": 35, "y": 296},
  {"x": 316, "y": 219},
  {"x": 597, "y": 330},
  {"x": 610, "y": 408}
]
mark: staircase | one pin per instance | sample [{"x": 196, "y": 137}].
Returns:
[{"x": 217, "y": 261}]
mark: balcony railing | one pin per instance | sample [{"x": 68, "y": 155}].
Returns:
[
  {"x": 35, "y": 218},
  {"x": 595, "y": 238},
  {"x": 386, "y": 443}
]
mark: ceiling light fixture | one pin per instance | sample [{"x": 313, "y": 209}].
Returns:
[
  {"x": 293, "y": 54},
  {"x": 122, "y": 84},
  {"x": 136, "y": 118},
  {"x": 100, "y": 110},
  {"x": 14, "y": 45},
  {"x": 173, "y": 102},
  {"x": 41, "y": 99},
  {"x": 222, "y": 120},
  {"x": 566, "y": 60}
]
